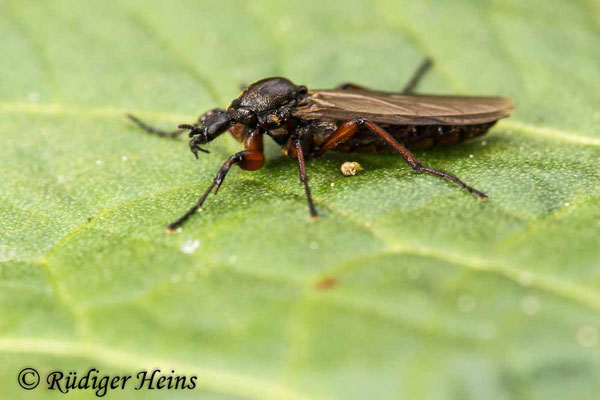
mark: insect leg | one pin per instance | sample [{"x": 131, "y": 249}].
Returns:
[
  {"x": 342, "y": 133},
  {"x": 250, "y": 159},
  {"x": 152, "y": 130},
  {"x": 304, "y": 179},
  {"x": 408, "y": 88},
  {"x": 417, "y": 76},
  {"x": 217, "y": 181},
  {"x": 414, "y": 162}
]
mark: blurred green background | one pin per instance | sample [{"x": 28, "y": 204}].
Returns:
[{"x": 436, "y": 296}]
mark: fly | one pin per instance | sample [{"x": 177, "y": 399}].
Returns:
[{"x": 350, "y": 118}]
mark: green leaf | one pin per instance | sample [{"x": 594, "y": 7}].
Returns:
[{"x": 407, "y": 287}]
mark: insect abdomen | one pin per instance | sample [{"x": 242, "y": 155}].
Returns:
[{"x": 413, "y": 137}]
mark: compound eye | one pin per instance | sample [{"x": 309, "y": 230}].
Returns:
[
  {"x": 302, "y": 90},
  {"x": 235, "y": 103}
]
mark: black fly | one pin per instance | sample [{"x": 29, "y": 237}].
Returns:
[{"x": 307, "y": 123}]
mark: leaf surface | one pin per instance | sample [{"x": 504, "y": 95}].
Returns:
[{"x": 405, "y": 288}]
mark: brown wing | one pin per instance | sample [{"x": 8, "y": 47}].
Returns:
[{"x": 397, "y": 109}]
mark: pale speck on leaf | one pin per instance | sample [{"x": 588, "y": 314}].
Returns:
[
  {"x": 285, "y": 23},
  {"x": 587, "y": 335},
  {"x": 530, "y": 305},
  {"x": 350, "y": 168},
  {"x": 525, "y": 278},
  {"x": 33, "y": 97},
  {"x": 190, "y": 246},
  {"x": 7, "y": 253}
]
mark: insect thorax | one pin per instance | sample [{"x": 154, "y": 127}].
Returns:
[{"x": 268, "y": 94}]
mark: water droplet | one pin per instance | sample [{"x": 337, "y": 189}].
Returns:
[
  {"x": 232, "y": 259},
  {"x": 587, "y": 335},
  {"x": 190, "y": 246},
  {"x": 466, "y": 303},
  {"x": 530, "y": 305},
  {"x": 413, "y": 272},
  {"x": 313, "y": 245}
]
